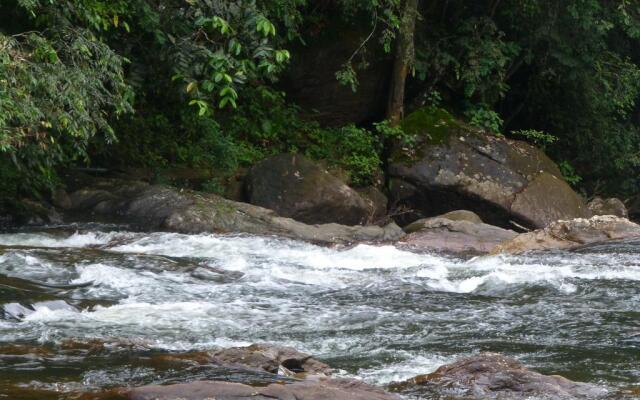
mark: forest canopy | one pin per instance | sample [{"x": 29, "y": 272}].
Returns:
[{"x": 146, "y": 83}]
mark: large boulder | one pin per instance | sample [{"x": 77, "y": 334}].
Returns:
[
  {"x": 454, "y": 232},
  {"x": 611, "y": 206},
  {"x": 185, "y": 211},
  {"x": 296, "y": 187},
  {"x": 318, "y": 389},
  {"x": 261, "y": 358},
  {"x": 570, "y": 234},
  {"x": 455, "y": 166},
  {"x": 311, "y": 83},
  {"x": 491, "y": 375},
  {"x": 311, "y": 380}
]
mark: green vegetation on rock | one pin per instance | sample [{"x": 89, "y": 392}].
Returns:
[
  {"x": 434, "y": 124},
  {"x": 211, "y": 84}
]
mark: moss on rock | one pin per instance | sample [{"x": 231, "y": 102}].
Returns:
[{"x": 431, "y": 124}]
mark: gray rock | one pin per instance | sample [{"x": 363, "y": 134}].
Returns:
[
  {"x": 612, "y": 206},
  {"x": 546, "y": 199},
  {"x": 571, "y": 234},
  {"x": 377, "y": 201},
  {"x": 60, "y": 198},
  {"x": 270, "y": 359},
  {"x": 185, "y": 211},
  {"x": 490, "y": 375},
  {"x": 37, "y": 213},
  {"x": 296, "y": 187},
  {"x": 457, "y": 215},
  {"x": 447, "y": 235}
]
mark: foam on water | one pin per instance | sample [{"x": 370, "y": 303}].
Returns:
[
  {"x": 218, "y": 291},
  {"x": 57, "y": 240},
  {"x": 229, "y": 249},
  {"x": 409, "y": 366}
]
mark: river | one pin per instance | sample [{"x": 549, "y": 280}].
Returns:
[{"x": 374, "y": 312}]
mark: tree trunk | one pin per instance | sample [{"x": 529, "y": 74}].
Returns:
[{"x": 404, "y": 57}]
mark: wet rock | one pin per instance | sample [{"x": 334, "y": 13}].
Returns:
[
  {"x": 18, "y": 311},
  {"x": 296, "y": 187},
  {"x": 612, "y": 206},
  {"x": 319, "y": 389},
  {"x": 271, "y": 359},
  {"x": 492, "y": 375},
  {"x": 15, "y": 311},
  {"x": 571, "y": 234},
  {"x": 455, "y": 166},
  {"x": 185, "y": 211},
  {"x": 446, "y": 235}
]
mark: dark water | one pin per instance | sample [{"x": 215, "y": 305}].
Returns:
[{"x": 141, "y": 306}]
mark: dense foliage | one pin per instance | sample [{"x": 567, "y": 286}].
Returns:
[{"x": 159, "y": 84}]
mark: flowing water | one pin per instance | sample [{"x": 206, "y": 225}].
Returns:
[{"x": 86, "y": 308}]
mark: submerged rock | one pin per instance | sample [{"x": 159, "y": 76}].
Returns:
[
  {"x": 296, "y": 187},
  {"x": 571, "y": 234},
  {"x": 457, "y": 166},
  {"x": 319, "y": 389},
  {"x": 185, "y": 211},
  {"x": 18, "y": 311},
  {"x": 491, "y": 375},
  {"x": 457, "y": 231},
  {"x": 612, "y": 206},
  {"x": 272, "y": 359}
]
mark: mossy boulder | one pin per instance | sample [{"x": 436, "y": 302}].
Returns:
[
  {"x": 456, "y": 166},
  {"x": 298, "y": 188}
]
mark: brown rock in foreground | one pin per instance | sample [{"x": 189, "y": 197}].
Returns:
[
  {"x": 571, "y": 234},
  {"x": 457, "y": 231},
  {"x": 491, "y": 375},
  {"x": 320, "y": 389},
  {"x": 270, "y": 359}
]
